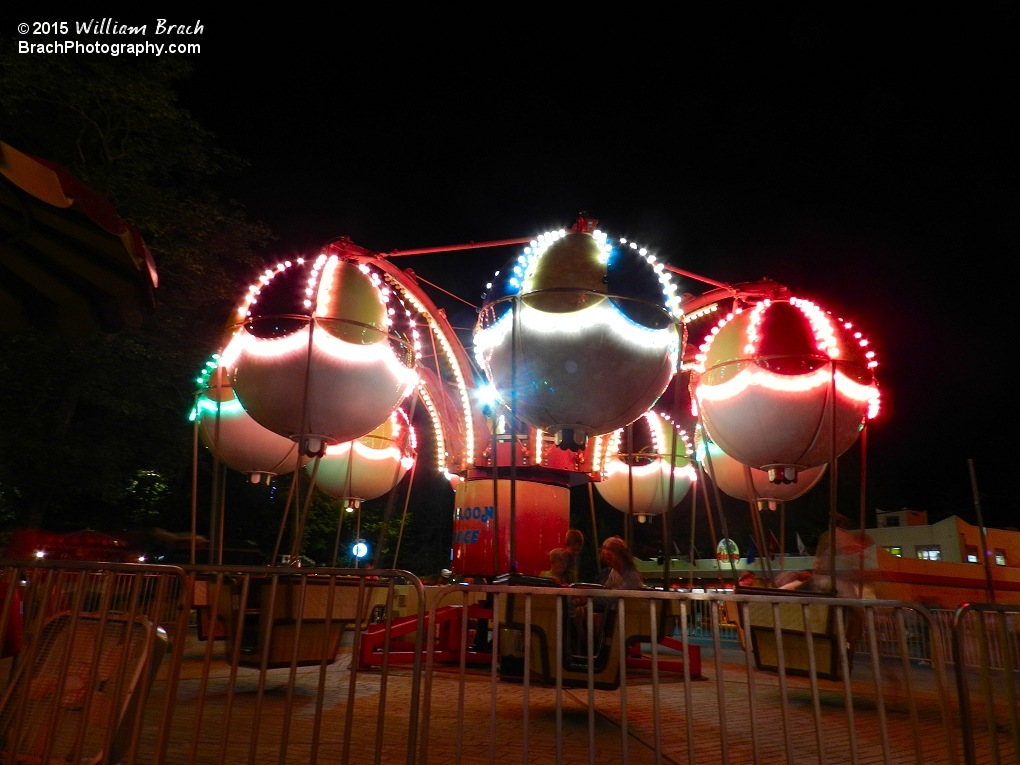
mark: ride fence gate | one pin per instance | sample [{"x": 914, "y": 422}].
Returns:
[{"x": 218, "y": 664}]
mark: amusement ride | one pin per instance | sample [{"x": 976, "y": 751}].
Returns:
[{"x": 326, "y": 358}]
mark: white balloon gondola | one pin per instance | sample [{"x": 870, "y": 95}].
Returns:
[
  {"x": 579, "y": 334},
  {"x": 640, "y": 483},
  {"x": 732, "y": 477},
  {"x": 234, "y": 438},
  {"x": 314, "y": 355},
  {"x": 783, "y": 386},
  {"x": 370, "y": 466}
]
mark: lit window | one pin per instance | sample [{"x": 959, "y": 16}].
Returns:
[
  {"x": 897, "y": 551},
  {"x": 929, "y": 552},
  {"x": 1000, "y": 557},
  {"x": 972, "y": 554}
]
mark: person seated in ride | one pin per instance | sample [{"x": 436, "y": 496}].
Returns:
[
  {"x": 559, "y": 560},
  {"x": 573, "y": 542},
  {"x": 622, "y": 575}
]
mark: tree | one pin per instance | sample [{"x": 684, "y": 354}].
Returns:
[{"x": 95, "y": 432}]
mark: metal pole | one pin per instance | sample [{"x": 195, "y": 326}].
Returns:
[
  {"x": 214, "y": 499},
  {"x": 222, "y": 515},
  {"x": 512, "y": 564},
  {"x": 336, "y": 542},
  {"x": 357, "y": 533},
  {"x": 833, "y": 480},
  {"x": 497, "y": 554},
  {"x": 757, "y": 527},
  {"x": 718, "y": 497},
  {"x": 864, "y": 485},
  {"x": 711, "y": 527},
  {"x": 594, "y": 527},
  {"x": 667, "y": 540},
  {"x": 981, "y": 530},
  {"x": 630, "y": 484},
  {"x": 194, "y": 482},
  {"x": 286, "y": 508},
  {"x": 299, "y": 536},
  {"x": 782, "y": 536},
  {"x": 213, "y": 504},
  {"x": 453, "y": 247},
  {"x": 694, "y": 512},
  {"x": 403, "y": 517},
  {"x": 392, "y": 498}
]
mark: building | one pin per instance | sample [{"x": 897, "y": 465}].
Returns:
[
  {"x": 940, "y": 564},
  {"x": 907, "y": 534}
]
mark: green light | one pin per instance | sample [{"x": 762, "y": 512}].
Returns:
[{"x": 227, "y": 408}]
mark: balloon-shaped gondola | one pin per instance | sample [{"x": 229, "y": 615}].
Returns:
[
  {"x": 234, "y": 438},
  {"x": 579, "y": 335},
  {"x": 370, "y": 466},
  {"x": 783, "y": 386},
  {"x": 732, "y": 477},
  {"x": 639, "y": 483},
  {"x": 313, "y": 354}
]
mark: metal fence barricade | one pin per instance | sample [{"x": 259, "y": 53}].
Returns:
[
  {"x": 575, "y": 675},
  {"x": 92, "y": 638},
  {"x": 986, "y": 651},
  {"x": 103, "y": 663},
  {"x": 93, "y": 680}
]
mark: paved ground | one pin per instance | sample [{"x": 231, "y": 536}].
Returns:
[{"x": 293, "y": 724}]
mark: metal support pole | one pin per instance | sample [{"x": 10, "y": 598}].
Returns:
[
  {"x": 718, "y": 497},
  {"x": 864, "y": 494},
  {"x": 214, "y": 499},
  {"x": 221, "y": 514},
  {"x": 630, "y": 485},
  {"x": 497, "y": 554},
  {"x": 512, "y": 564},
  {"x": 694, "y": 513},
  {"x": 194, "y": 483},
  {"x": 667, "y": 539},
  {"x": 833, "y": 480},
  {"x": 403, "y": 517},
  {"x": 981, "y": 530}
]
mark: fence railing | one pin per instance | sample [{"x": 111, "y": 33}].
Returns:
[
  {"x": 998, "y": 647},
  {"x": 564, "y": 681},
  {"x": 215, "y": 664},
  {"x": 984, "y": 643},
  {"x": 92, "y": 680}
]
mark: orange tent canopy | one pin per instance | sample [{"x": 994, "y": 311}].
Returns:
[{"x": 67, "y": 260}]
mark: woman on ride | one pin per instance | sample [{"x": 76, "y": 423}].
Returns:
[{"x": 622, "y": 575}]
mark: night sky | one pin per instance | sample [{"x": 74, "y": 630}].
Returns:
[{"x": 867, "y": 161}]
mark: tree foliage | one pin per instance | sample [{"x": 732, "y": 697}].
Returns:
[{"x": 94, "y": 431}]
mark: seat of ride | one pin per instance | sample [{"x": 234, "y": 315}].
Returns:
[
  {"x": 297, "y": 618},
  {"x": 605, "y": 636},
  {"x": 821, "y": 625}
]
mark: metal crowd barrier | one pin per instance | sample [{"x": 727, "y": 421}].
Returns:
[
  {"x": 941, "y": 628},
  {"x": 699, "y": 621},
  {"x": 214, "y": 664},
  {"x": 986, "y": 650},
  {"x": 104, "y": 664},
  {"x": 800, "y": 693},
  {"x": 83, "y": 643}
]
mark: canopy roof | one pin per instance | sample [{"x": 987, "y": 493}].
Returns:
[{"x": 67, "y": 260}]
